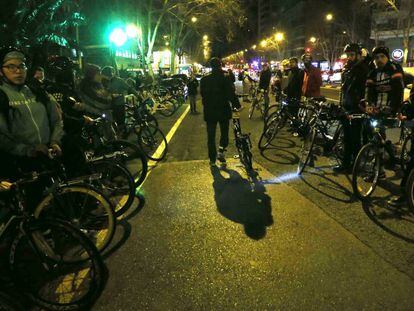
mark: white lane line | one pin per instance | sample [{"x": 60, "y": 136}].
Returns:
[{"x": 152, "y": 164}]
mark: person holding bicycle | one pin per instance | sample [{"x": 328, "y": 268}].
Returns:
[
  {"x": 217, "y": 91},
  {"x": 354, "y": 78},
  {"x": 385, "y": 88},
  {"x": 264, "y": 83}
]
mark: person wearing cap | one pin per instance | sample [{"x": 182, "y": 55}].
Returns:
[
  {"x": 354, "y": 78},
  {"x": 264, "y": 83},
  {"x": 312, "y": 78},
  {"x": 217, "y": 92},
  {"x": 30, "y": 119}
]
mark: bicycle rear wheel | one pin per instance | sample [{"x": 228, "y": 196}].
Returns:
[
  {"x": 405, "y": 152},
  {"x": 85, "y": 208},
  {"x": 270, "y": 132},
  {"x": 252, "y": 108},
  {"x": 56, "y": 265},
  {"x": 306, "y": 151},
  {"x": 153, "y": 143},
  {"x": 365, "y": 172},
  {"x": 134, "y": 161}
]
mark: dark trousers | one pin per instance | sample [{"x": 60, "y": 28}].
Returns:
[
  {"x": 211, "y": 137},
  {"x": 193, "y": 101},
  {"x": 352, "y": 140}
]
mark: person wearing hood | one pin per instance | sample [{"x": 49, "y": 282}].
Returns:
[{"x": 354, "y": 78}]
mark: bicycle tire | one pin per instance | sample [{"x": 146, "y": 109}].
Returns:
[
  {"x": 37, "y": 246},
  {"x": 148, "y": 141},
  {"x": 369, "y": 151},
  {"x": 135, "y": 162},
  {"x": 269, "y": 111},
  {"x": 409, "y": 190},
  {"x": 306, "y": 151},
  {"x": 270, "y": 132},
  {"x": 116, "y": 184},
  {"x": 95, "y": 218},
  {"x": 338, "y": 147},
  {"x": 246, "y": 158},
  {"x": 170, "y": 108},
  {"x": 405, "y": 150}
]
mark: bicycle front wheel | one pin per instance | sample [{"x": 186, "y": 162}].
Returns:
[
  {"x": 365, "y": 173},
  {"x": 153, "y": 143},
  {"x": 306, "y": 150},
  {"x": 405, "y": 153},
  {"x": 270, "y": 131},
  {"x": 169, "y": 108},
  {"x": 56, "y": 265},
  {"x": 85, "y": 208},
  {"x": 409, "y": 190}
]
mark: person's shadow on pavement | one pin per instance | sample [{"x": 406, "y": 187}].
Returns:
[{"x": 238, "y": 202}]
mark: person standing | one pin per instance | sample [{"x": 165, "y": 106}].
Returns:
[
  {"x": 217, "y": 92},
  {"x": 192, "y": 92},
  {"x": 354, "y": 78},
  {"x": 264, "y": 83},
  {"x": 312, "y": 79}
]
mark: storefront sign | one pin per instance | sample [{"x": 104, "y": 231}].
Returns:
[{"x": 397, "y": 54}]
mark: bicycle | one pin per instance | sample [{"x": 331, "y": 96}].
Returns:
[
  {"x": 52, "y": 263},
  {"x": 321, "y": 124},
  {"x": 369, "y": 161},
  {"x": 243, "y": 142},
  {"x": 258, "y": 104}
]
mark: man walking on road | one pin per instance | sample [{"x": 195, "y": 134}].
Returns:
[
  {"x": 264, "y": 83},
  {"x": 217, "y": 91}
]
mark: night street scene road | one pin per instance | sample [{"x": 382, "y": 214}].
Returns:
[{"x": 206, "y": 155}]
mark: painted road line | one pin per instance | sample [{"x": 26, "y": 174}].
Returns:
[
  {"x": 160, "y": 149},
  {"x": 68, "y": 279}
]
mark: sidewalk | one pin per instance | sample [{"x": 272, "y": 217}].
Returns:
[{"x": 206, "y": 241}]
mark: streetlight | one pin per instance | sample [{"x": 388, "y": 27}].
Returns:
[
  {"x": 329, "y": 17},
  {"x": 194, "y": 19},
  {"x": 245, "y": 50},
  {"x": 118, "y": 37},
  {"x": 280, "y": 36},
  {"x": 312, "y": 39},
  {"x": 205, "y": 37},
  {"x": 263, "y": 43},
  {"x": 254, "y": 47}
]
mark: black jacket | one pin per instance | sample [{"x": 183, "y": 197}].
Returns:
[
  {"x": 265, "y": 77},
  {"x": 385, "y": 87},
  {"x": 192, "y": 86},
  {"x": 354, "y": 77},
  {"x": 217, "y": 91},
  {"x": 294, "y": 87}
]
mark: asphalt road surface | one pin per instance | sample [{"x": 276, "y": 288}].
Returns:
[{"x": 209, "y": 239}]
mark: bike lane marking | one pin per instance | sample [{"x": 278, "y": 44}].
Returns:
[{"x": 70, "y": 279}]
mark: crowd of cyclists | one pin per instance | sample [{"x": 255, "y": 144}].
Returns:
[
  {"x": 73, "y": 153},
  {"x": 371, "y": 98}
]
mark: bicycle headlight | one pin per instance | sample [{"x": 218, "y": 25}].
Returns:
[{"x": 374, "y": 123}]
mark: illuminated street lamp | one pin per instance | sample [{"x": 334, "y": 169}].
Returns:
[
  {"x": 329, "y": 17},
  {"x": 245, "y": 50},
  {"x": 312, "y": 39},
  {"x": 254, "y": 47},
  {"x": 205, "y": 37},
  {"x": 118, "y": 37},
  {"x": 280, "y": 36},
  {"x": 263, "y": 43},
  {"x": 194, "y": 19}
]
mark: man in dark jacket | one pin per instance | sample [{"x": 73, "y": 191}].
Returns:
[
  {"x": 295, "y": 80},
  {"x": 354, "y": 78},
  {"x": 264, "y": 83},
  {"x": 217, "y": 92}
]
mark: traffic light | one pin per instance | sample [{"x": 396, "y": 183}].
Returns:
[{"x": 118, "y": 37}]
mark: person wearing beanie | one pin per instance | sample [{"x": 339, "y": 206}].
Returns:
[
  {"x": 30, "y": 119},
  {"x": 217, "y": 92}
]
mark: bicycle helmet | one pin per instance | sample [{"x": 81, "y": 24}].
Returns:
[
  {"x": 352, "y": 47},
  {"x": 381, "y": 50}
]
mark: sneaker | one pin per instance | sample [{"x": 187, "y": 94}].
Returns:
[{"x": 397, "y": 201}]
